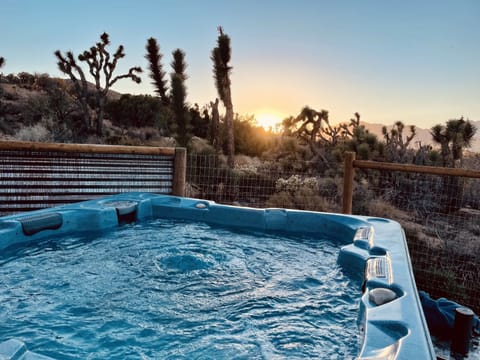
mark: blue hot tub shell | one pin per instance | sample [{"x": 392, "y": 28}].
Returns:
[{"x": 390, "y": 320}]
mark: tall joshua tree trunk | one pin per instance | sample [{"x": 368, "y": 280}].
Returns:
[
  {"x": 214, "y": 125},
  {"x": 154, "y": 57},
  {"x": 221, "y": 55},
  {"x": 178, "y": 96},
  {"x": 230, "y": 129}
]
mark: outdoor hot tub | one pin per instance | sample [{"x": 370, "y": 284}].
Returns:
[{"x": 140, "y": 275}]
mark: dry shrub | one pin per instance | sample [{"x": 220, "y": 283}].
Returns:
[
  {"x": 303, "y": 199},
  {"x": 6, "y": 137},
  {"x": 303, "y": 193},
  {"x": 331, "y": 188},
  {"x": 93, "y": 139},
  {"x": 37, "y": 133},
  {"x": 309, "y": 201},
  {"x": 383, "y": 209},
  {"x": 200, "y": 146},
  {"x": 247, "y": 165},
  {"x": 143, "y": 134},
  {"x": 162, "y": 142},
  {"x": 296, "y": 183},
  {"x": 191, "y": 190},
  {"x": 281, "y": 200},
  {"x": 464, "y": 243},
  {"x": 418, "y": 236}
]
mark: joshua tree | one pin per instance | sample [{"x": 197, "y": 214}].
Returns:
[
  {"x": 100, "y": 65},
  {"x": 178, "y": 96},
  {"x": 221, "y": 56},
  {"x": 453, "y": 137},
  {"x": 397, "y": 144},
  {"x": 213, "y": 134},
  {"x": 311, "y": 124},
  {"x": 154, "y": 58},
  {"x": 2, "y": 62},
  {"x": 308, "y": 126}
]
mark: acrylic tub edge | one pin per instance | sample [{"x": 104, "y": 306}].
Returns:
[{"x": 396, "y": 329}]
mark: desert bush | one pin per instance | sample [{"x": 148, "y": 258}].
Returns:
[
  {"x": 362, "y": 197},
  {"x": 301, "y": 193},
  {"x": 4, "y": 127},
  {"x": 198, "y": 145},
  {"x": 286, "y": 154},
  {"x": 295, "y": 183},
  {"x": 37, "y": 132},
  {"x": 250, "y": 139},
  {"x": 248, "y": 164},
  {"x": 162, "y": 142},
  {"x": 148, "y": 135},
  {"x": 138, "y": 111},
  {"x": 59, "y": 131},
  {"x": 281, "y": 199},
  {"x": 191, "y": 190},
  {"x": 10, "y": 96},
  {"x": 420, "y": 194},
  {"x": 34, "y": 109},
  {"x": 145, "y": 133},
  {"x": 331, "y": 188},
  {"x": 43, "y": 81},
  {"x": 384, "y": 209},
  {"x": 200, "y": 121},
  {"x": 26, "y": 80},
  {"x": 10, "y": 79},
  {"x": 470, "y": 193},
  {"x": 302, "y": 199}
]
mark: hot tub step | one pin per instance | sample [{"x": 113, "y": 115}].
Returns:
[{"x": 16, "y": 350}]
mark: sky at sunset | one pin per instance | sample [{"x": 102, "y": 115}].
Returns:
[{"x": 410, "y": 60}]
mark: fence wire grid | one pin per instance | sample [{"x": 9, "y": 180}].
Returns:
[{"x": 440, "y": 214}]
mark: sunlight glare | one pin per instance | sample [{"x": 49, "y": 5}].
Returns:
[{"x": 269, "y": 120}]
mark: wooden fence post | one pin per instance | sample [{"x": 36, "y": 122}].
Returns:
[
  {"x": 179, "y": 172},
  {"x": 348, "y": 175}
]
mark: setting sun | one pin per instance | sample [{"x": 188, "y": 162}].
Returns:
[{"x": 269, "y": 120}]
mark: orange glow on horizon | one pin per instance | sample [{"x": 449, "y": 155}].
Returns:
[{"x": 269, "y": 120}]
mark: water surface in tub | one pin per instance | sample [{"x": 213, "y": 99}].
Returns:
[{"x": 179, "y": 290}]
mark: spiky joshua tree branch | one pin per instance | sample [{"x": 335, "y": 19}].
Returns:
[
  {"x": 178, "y": 97},
  {"x": 157, "y": 74}
]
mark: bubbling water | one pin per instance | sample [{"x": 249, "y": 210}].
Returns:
[{"x": 179, "y": 290}]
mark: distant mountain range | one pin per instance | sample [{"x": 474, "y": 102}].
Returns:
[{"x": 423, "y": 135}]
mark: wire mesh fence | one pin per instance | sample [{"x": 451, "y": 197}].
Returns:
[
  {"x": 261, "y": 185},
  {"x": 440, "y": 214},
  {"x": 441, "y": 218}
]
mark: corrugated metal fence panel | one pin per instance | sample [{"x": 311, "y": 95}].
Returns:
[{"x": 31, "y": 180}]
